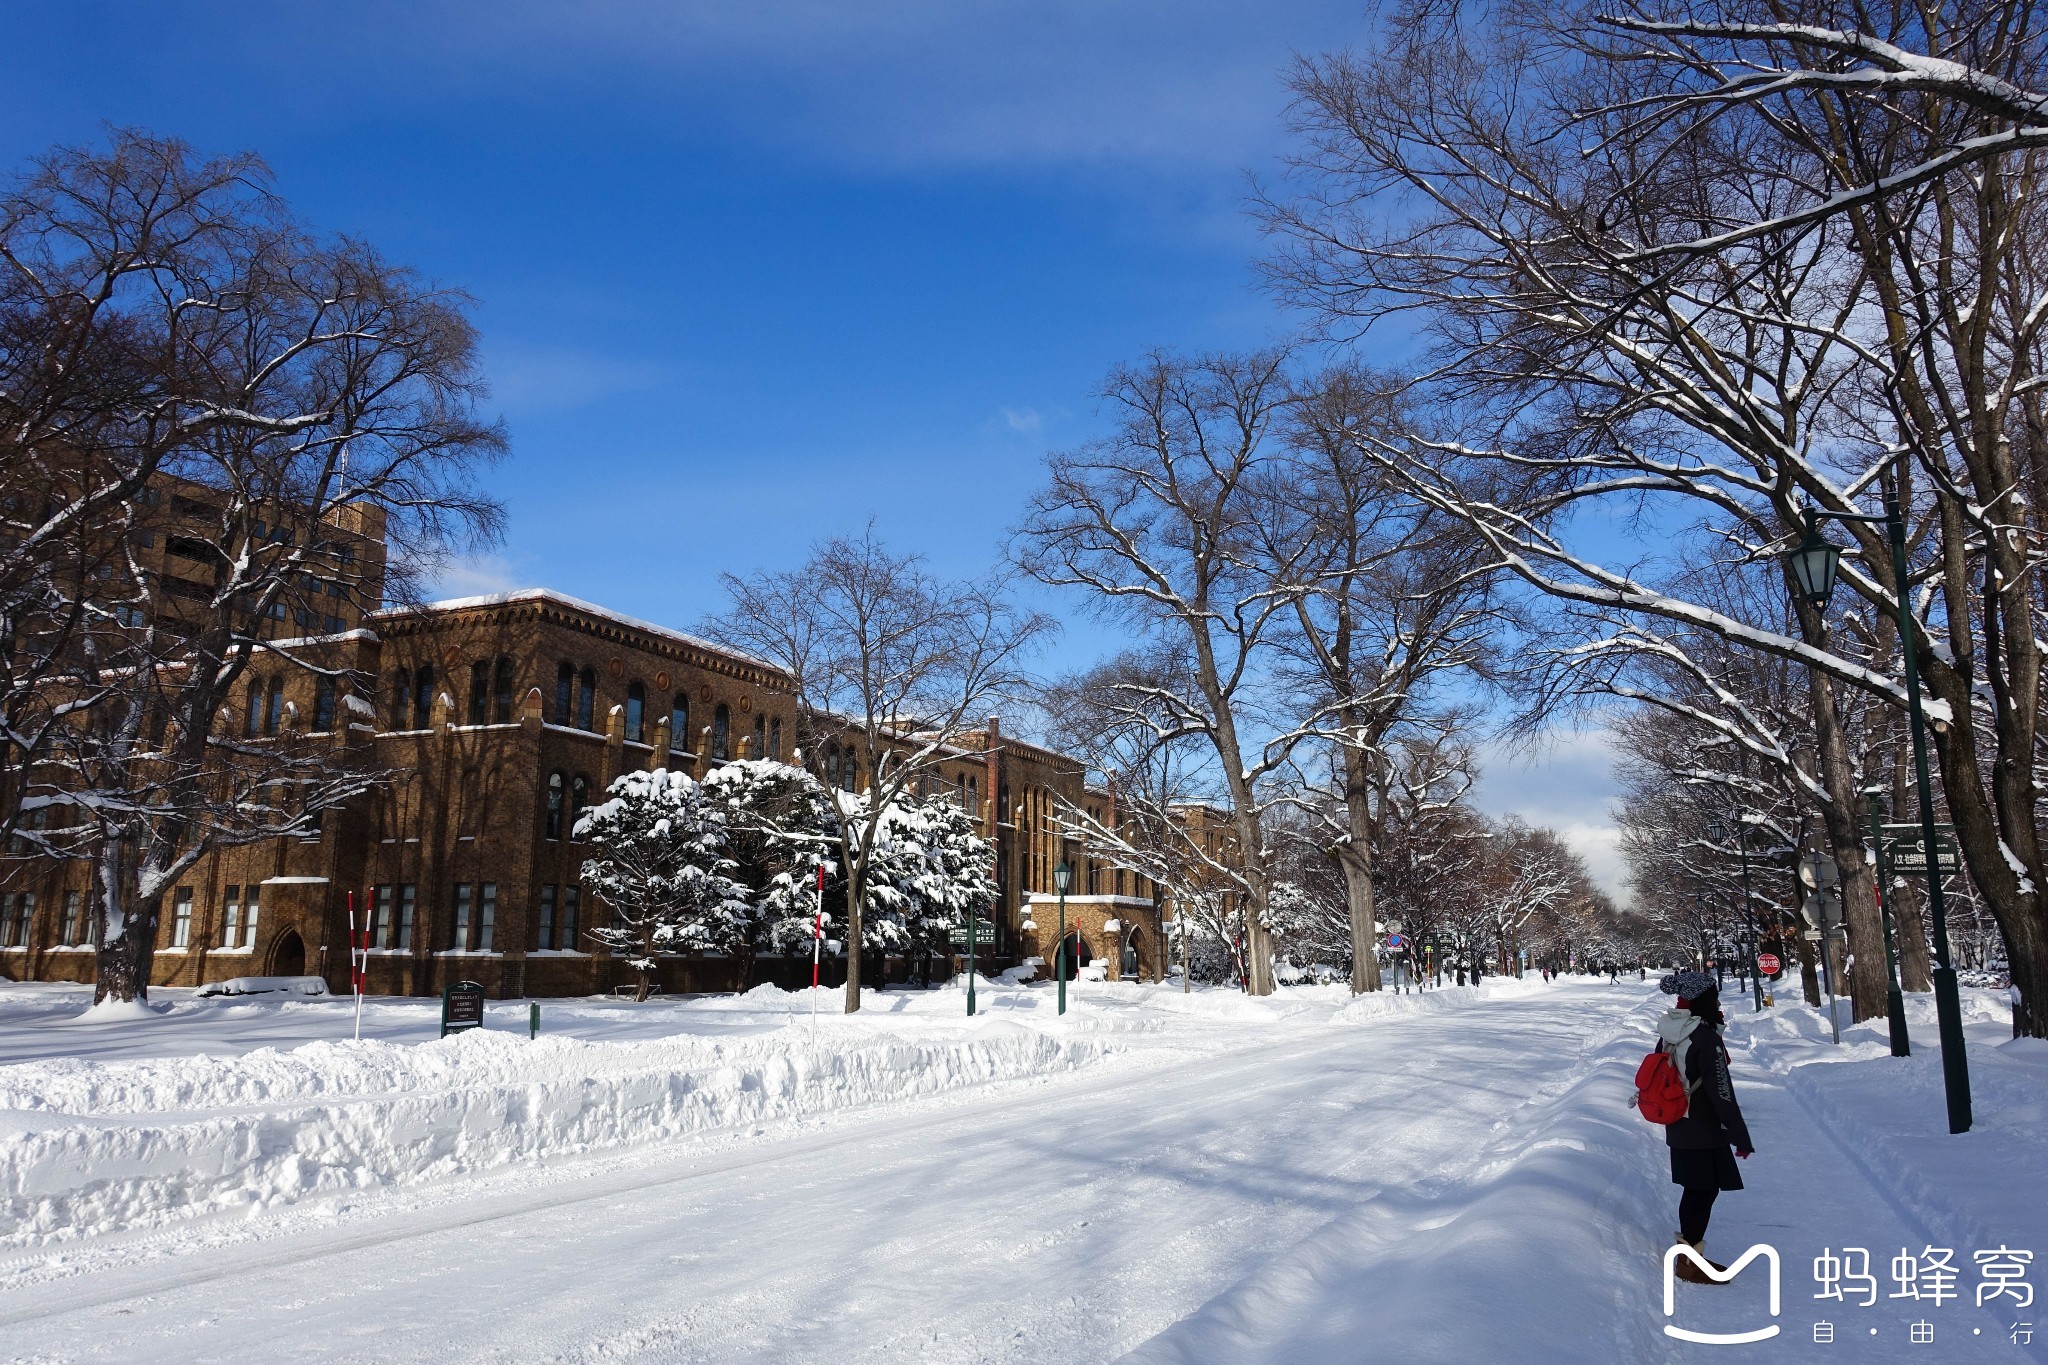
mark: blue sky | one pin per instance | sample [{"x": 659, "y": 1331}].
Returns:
[{"x": 750, "y": 272}]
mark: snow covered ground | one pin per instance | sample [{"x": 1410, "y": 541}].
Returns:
[{"x": 1454, "y": 1176}]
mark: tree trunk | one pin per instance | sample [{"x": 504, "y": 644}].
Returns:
[
  {"x": 856, "y": 886},
  {"x": 1355, "y": 859},
  {"x": 126, "y": 936},
  {"x": 1841, "y": 814}
]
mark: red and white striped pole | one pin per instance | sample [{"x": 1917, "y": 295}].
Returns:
[{"x": 358, "y": 959}]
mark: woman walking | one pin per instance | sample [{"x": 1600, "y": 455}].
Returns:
[{"x": 1702, "y": 1164}]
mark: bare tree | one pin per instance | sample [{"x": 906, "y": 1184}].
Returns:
[
  {"x": 1392, "y": 599},
  {"x": 339, "y": 396},
  {"x": 1658, "y": 279},
  {"x": 1158, "y": 523},
  {"x": 887, "y": 660}
]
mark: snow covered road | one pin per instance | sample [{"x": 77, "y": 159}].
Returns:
[{"x": 1464, "y": 1185}]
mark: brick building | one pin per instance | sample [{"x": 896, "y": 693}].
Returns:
[{"x": 492, "y": 721}]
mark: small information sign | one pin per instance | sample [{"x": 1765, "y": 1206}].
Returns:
[
  {"x": 462, "y": 1007},
  {"x": 1906, "y": 846},
  {"x": 984, "y": 933}
]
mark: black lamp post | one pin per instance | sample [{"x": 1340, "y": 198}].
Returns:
[
  {"x": 1813, "y": 564},
  {"x": 1717, "y": 832},
  {"x": 1062, "y": 878}
]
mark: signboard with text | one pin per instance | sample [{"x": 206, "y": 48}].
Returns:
[
  {"x": 462, "y": 1007},
  {"x": 1906, "y": 847}
]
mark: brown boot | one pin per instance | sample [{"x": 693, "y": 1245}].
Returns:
[{"x": 1689, "y": 1271}]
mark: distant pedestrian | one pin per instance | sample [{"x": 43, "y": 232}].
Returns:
[{"x": 1702, "y": 1164}]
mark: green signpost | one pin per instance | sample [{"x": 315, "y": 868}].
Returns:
[{"x": 1905, "y": 846}]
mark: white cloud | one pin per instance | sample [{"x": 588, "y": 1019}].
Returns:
[
  {"x": 541, "y": 379},
  {"x": 1023, "y": 420},
  {"x": 1565, "y": 782},
  {"x": 475, "y": 576}
]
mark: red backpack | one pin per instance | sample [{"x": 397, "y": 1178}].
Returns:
[{"x": 1662, "y": 1095}]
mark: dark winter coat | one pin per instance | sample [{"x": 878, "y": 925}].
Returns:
[{"x": 1712, "y": 1119}]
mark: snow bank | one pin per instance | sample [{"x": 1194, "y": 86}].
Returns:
[
  {"x": 90, "y": 1147},
  {"x": 1386, "y": 1004},
  {"x": 263, "y": 985}
]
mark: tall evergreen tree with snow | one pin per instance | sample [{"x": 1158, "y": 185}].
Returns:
[
  {"x": 780, "y": 828},
  {"x": 658, "y": 860},
  {"x": 927, "y": 871}
]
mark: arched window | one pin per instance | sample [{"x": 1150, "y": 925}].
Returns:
[
  {"x": 760, "y": 737},
  {"x": 721, "y": 732},
  {"x": 586, "y": 700},
  {"x": 323, "y": 705},
  {"x": 274, "y": 712},
  {"x": 679, "y": 725},
  {"x": 831, "y": 765},
  {"x": 579, "y": 793},
  {"x": 554, "y": 817},
  {"x": 253, "y": 717},
  {"x": 636, "y": 711},
  {"x": 401, "y": 699},
  {"x": 565, "y": 689},
  {"x": 479, "y": 692},
  {"x": 423, "y": 697},
  {"x": 775, "y": 739},
  {"x": 501, "y": 690}
]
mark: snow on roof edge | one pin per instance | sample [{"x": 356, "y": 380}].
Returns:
[{"x": 495, "y": 599}]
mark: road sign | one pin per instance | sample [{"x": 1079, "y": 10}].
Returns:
[
  {"x": 1905, "y": 846},
  {"x": 1768, "y": 963},
  {"x": 1818, "y": 872},
  {"x": 984, "y": 933},
  {"x": 1396, "y": 941},
  {"x": 1821, "y": 909},
  {"x": 1811, "y": 936},
  {"x": 462, "y": 1007}
]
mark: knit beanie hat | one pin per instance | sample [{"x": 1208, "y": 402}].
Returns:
[{"x": 1688, "y": 985}]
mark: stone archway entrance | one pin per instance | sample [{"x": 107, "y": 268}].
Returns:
[
  {"x": 1073, "y": 951},
  {"x": 288, "y": 955},
  {"x": 1131, "y": 964}
]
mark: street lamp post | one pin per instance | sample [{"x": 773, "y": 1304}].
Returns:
[
  {"x": 1062, "y": 877},
  {"x": 1716, "y": 830},
  {"x": 1813, "y": 564}
]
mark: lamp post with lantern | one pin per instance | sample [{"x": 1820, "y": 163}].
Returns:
[
  {"x": 1814, "y": 562},
  {"x": 1062, "y": 878}
]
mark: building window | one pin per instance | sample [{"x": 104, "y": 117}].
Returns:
[
  {"x": 459, "y": 940},
  {"x": 547, "y": 917},
  {"x": 323, "y": 705},
  {"x": 253, "y": 717},
  {"x": 249, "y": 910},
  {"x": 679, "y": 726},
  {"x": 832, "y": 765},
  {"x": 636, "y": 711},
  {"x": 423, "y": 697},
  {"x": 15, "y": 914},
  {"x": 380, "y": 918},
  {"x": 721, "y": 732},
  {"x": 74, "y": 918},
  {"x": 565, "y": 690},
  {"x": 572, "y": 902},
  {"x": 760, "y": 737},
  {"x": 775, "y": 739},
  {"x": 401, "y": 699},
  {"x": 231, "y": 918},
  {"x": 579, "y": 794},
  {"x": 486, "y": 915},
  {"x": 501, "y": 690},
  {"x": 586, "y": 699},
  {"x": 181, "y": 918},
  {"x": 274, "y": 711},
  {"x": 406, "y": 905},
  {"x": 479, "y": 692},
  {"x": 554, "y": 810}
]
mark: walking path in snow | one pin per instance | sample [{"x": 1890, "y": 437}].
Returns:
[{"x": 1461, "y": 1185}]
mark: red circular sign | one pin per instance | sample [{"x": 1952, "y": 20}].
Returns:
[{"x": 1767, "y": 963}]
